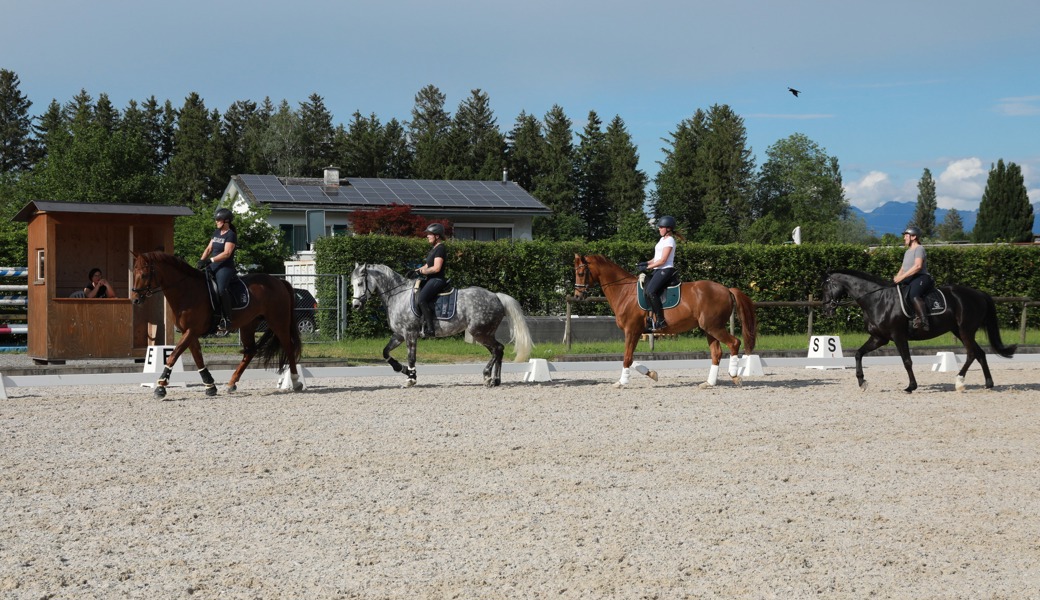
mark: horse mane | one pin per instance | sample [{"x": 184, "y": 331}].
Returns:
[
  {"x": 171, "y": 260},
  {"x": 864, "y": 275},
  {"x": 603, "y": 260}
]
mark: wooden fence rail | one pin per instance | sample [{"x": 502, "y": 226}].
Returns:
[{"x": 810, "y": 304}]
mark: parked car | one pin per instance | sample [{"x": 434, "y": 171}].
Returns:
[{"x": 304, "y": 313}]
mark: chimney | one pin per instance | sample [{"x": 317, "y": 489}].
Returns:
[
  {"x": 505, "y": 175},
  {"x": 331, "y": 176}
]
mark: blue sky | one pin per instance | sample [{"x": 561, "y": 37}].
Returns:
[{"x": 889, "y": 87}]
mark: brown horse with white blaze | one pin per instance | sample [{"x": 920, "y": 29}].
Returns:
[
  {"x": 185, "y": 290},
  {"x": 703, "y": 304}
]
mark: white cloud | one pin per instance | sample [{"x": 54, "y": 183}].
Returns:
[
  {"x": 1020, "y": 106},
  {"x": 961, "y": 183},
  {"x": 870, "y": 192}
]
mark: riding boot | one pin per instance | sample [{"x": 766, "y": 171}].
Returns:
[
  {"x": 224, "y": 327},
  {"x": 921, "y": 319},
  {"x": 428, "y": 326},
  {"x": 658, "y": 310}
]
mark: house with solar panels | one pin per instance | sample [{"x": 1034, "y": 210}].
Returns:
[{"x": 308, "y": 208}]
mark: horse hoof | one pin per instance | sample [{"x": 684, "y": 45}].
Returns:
[
  {"x": 297, "y": 386},
  {"x": 409, "y": 383},
  {"x": 619, "y": 386},
  {"x": 863, "y": 386},
  {"x": 160, "y": 392},
  {"x": 211, "y": 390},
  {"x": 232, "y": 388},
  {"x": 737, "y": 380},
  {"x": 489, "y": 383},
  {"x": 652, "y": 375},
  {"x": 706, "y": 386}
]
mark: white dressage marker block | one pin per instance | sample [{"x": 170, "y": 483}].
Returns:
[
  {"x": 825, "y": 346},
  {"x": 947, "y": 362},
  {"x": 750, "y": 366},
  {"x": 155, "y": 361},
  {"x": 539, "y": 370}
]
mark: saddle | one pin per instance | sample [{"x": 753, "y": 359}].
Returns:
[
  {"x": 238, "y": 290},
  {"x": 443, "y": 307},
  {"x": 670, "y": 298},
  {"x": 934, "y": 302}
]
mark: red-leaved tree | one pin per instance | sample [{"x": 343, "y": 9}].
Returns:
[{"x": 395, "y": 219}]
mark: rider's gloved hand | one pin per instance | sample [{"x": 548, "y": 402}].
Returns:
[
  {"x": 202, "y": 263},
  {"x": 641, "y": 267}
]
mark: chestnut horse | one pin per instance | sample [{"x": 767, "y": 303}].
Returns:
[
  {"x": 184, "y": 287},
  {"x": 703, "y": 304}
]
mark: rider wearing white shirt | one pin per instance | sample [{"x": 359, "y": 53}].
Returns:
[{"x": 664, "y": 268}]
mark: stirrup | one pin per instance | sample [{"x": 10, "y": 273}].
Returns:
[
  {"x": 223, "y": 327},
  {"x": 659, "y": 325}
]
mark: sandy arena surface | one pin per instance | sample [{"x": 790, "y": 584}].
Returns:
[{"x": 795, "y": 485}]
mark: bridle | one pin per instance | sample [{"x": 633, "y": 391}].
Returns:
[
  {"x": 143, "y": 293},
  {"x": 383, "y": 295},
  {"x": 833, "y": 303},
  {"x": 582, "y": 272}
]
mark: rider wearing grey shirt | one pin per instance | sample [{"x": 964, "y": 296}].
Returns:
[{"x": 914, "y": 274}]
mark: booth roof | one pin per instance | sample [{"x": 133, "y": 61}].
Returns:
[{"x": 96, "y": 208}]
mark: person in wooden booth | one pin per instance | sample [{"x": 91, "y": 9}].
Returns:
[{"x": 98, "y": 286}]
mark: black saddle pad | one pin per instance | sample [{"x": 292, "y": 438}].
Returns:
[
  {"x": 443, "y": 307},
  {"x": 237, "y": 288},
  {"x": 934, "y": 302},
  {"x": 670, "y": 298}
]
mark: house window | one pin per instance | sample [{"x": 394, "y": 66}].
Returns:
[
  {"x": 295, "y": 236},
  {"x": 482, "y": 233}
]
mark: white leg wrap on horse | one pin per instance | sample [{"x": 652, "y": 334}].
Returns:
[
  {"x": 733, "y": 361},
  {"x": 624, "y": 376},
  {"x": 713, "y": 375},
  {"x": 641, "y": 369}
]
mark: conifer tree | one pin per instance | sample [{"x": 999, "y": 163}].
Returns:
[
  {"x": 952, "y": 227},
  {"x": 477, "y": 147},
  {"x": 428, "y": 134},
  {"x": 189, "y": 165},
  {"x": 525, "y": 151},
  {"x": 18, "y": 149},
  {"x": 557, "y": 186},
  {"x": 725, "y": 171},
  {"x": 593, "y": 167},
  {"x": 678, "y": 190},
  {"x": 1005, "y": 213},
  {"x": 317, "y": 135},
  {"x": 924, "y": 212},
  {"x": 626, "y": 183}
]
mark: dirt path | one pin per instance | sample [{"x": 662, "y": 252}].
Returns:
[{"x": 796, "y": 485}]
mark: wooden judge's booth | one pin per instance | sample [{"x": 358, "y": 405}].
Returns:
[{"x": 66, "y": 241}]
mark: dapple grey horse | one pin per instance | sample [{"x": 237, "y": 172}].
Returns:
[{"x": 478, "y": 313}]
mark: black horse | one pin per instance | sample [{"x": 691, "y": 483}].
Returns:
[{"x": 966, "y": 312}]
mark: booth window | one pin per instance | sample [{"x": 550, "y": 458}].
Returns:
[{"x": 40, "y": 264}]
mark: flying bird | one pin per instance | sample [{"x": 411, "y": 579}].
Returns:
[{"x": 794, "y": 91}]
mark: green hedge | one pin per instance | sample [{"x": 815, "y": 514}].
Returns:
[{"x": 540, "y": 274}]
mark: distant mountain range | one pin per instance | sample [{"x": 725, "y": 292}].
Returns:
[{"x": 892, "y": 217}]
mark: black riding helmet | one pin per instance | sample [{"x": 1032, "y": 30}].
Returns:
[
  {"x": 223, "y": 214},
  {"x": 914, "y": 231},
  {"x": 435, "y": 229},
  {"x": 666, "y": 221}
]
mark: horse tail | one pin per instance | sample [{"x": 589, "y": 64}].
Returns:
[
  {"x": 748, "y": 319},
  {"x": 518, "y": 328},
  {"x": 993, "y": 330},
  {"x": 269, "y": 347}
]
